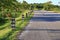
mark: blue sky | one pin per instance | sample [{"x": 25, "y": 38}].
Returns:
[{"x": 41, "y": 1}]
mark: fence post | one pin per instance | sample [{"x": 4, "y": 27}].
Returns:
[
  {"x": 13, "y": 23},
  {"x": 22, "y": 17},
  {"x": 26, "y": 15}
]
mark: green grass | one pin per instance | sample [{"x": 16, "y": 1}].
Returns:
[
  {"x": 20, "y": 26},
  {"x": 6, "y": 32},
  {"x": 56, "y": 10},
  {"x": 4, "y": 26}
]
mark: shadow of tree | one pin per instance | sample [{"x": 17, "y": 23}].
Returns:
[{"x": 45, "y": 19}]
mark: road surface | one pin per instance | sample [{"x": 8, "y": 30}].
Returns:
[{"x": 44, "y": 25}]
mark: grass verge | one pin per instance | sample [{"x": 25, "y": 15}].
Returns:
[
  {"x": 20, "y": 26},
  {"x": 7, "y": 33}
]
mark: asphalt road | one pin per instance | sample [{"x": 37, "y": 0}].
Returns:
[{"x": 44, "y": 25}]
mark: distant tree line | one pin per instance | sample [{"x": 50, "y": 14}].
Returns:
[{"x": 46, "y": 6}]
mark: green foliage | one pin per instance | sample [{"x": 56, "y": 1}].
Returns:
[
  {"x": 46, "y": 6},
  {"x": 2, "y": 21},
  {"x": 15, "y": 8},
  {"x": 11, "y": 8}
]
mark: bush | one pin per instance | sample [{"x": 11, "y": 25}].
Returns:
[{"x": 2, "y": 21}]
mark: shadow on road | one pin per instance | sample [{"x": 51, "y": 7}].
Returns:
[{"x": 45, "y": 19}]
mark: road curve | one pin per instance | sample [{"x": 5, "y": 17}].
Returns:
[{"x": 44, "y": 25}]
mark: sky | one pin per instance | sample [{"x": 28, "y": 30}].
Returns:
[{"x": 55, "y": 2}]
